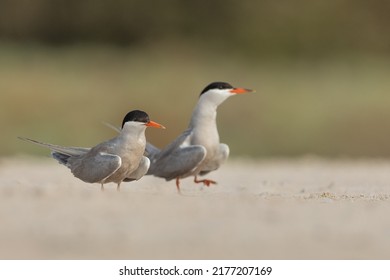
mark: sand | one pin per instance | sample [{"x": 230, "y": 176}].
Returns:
[{"x": 308, "y": 208}]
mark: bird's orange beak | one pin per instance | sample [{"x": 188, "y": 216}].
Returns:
[
  {"x": 154, "y": 124},
  {"x": 241, "y": 90}
]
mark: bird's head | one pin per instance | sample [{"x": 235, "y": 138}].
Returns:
[
  {"x": 218, "y": 92},
  {"x": 139, "y": 118}
]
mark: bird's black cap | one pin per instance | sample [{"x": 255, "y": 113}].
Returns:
[
  {"x": 136, "y": 116},
  {"x": 217, "y": 85}
]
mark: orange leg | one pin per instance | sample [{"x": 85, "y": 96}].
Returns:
[
  {"x": 178, "y": 185},
  {"x": 206, "y": 182}
]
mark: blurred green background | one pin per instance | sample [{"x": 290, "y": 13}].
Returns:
[{"x": 321, "y": 70}]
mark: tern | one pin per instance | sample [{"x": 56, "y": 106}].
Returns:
[
  {"x": 197, "y": 151},
  {"x": 114, "y": 160}
]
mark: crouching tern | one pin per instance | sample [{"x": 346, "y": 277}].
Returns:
[
  {"x": 197, "y": 151},
  {"x": 114, "y": 160}
]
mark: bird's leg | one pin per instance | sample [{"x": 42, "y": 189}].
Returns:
[
  {"x": 118, "y": 188},
  {"x": 206, "y": 182},
  {"x": 102, "y": 188},
  {"x": 178, "y": 185}
]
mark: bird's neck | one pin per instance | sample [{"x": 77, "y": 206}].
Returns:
[
  {"x": 204, "y": 115},
  {"x": 131, "y": 134}
]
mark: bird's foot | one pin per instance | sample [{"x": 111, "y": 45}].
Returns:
[{"x": 206, "y": 182}]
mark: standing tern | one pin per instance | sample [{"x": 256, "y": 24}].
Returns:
[
  {"x": 114, "y": 160},
  {"x": 197, "y": 151}
]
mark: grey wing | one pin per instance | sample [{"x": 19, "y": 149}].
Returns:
[
  {"x": 180, "y": 141},
  {"x": 158, "y": 157},
  {"x": 178, "y": 163},
  {"x": 94, "y": 168},
  {"x": 151, "y": 151},
  {"x": 140, "y": 171}
]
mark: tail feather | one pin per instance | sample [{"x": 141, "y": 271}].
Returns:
[
  {"x": 113, "y": 127},
  {"x": 61, "y": 154},
  {"x": 61, "y": 158}
]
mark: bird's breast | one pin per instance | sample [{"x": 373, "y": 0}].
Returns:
[{"x": 207, "y": 138}]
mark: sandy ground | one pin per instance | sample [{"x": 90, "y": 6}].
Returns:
[{"x": 273, "y": 209}]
